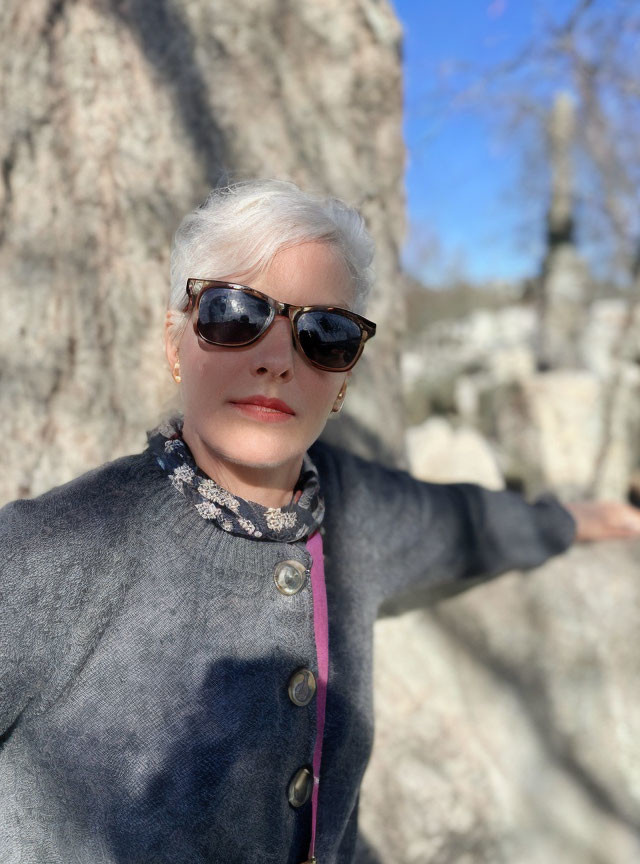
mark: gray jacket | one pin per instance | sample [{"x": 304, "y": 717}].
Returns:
[{"x": 145, "y": 656}]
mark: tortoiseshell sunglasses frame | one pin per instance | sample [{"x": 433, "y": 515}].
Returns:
[{"x": 197, "y": 287}]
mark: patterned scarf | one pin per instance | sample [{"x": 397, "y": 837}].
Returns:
[{"x": 296, "y": 520}]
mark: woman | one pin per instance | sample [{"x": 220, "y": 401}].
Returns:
[{"x": 186, "y": 633}]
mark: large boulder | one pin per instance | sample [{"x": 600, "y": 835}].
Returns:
[
  {"x": 507, "y": 721},
  {"x": 486, "y": 346},
  {"x": 439, "y": 452},
  {"x": 573, "y": 430},
  {"x": 612, "y": 334},
  {"x": 569, "y": 431}
]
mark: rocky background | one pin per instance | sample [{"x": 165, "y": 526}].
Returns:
[
  {"x": 507, "y": 718},
  {"x": 520, "y": 697}
]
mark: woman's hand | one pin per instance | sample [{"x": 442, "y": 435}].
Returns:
[{"x": 604, "y": 520}]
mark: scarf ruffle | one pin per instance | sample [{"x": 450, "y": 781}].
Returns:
[{"x": 235, "y": 515}]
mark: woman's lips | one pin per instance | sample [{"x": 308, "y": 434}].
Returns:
[{"x": 265, "y": 409}]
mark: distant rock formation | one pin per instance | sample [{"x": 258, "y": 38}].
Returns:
[{"x": 575, "y": 431}]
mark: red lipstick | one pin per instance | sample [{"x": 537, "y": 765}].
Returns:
[{"x": 263, "y": 408}]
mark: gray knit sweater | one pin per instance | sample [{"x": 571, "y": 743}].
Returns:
[{"x": 145, "y": 655}]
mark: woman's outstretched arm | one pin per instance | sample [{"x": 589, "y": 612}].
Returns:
[{"x": 423, "y": 541}]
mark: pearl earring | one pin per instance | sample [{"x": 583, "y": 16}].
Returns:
[{"x": 176, "y": 372}]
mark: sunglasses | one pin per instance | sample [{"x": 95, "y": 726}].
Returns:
[{"x": 233, "y": 316}]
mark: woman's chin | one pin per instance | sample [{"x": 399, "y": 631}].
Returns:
[
  {"x": 259, "y": 446},
  {"x": 263, "y": 457}
]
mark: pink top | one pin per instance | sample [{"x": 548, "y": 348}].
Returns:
[{"x": 321, "y": 632}]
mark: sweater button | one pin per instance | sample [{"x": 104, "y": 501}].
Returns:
[
  {"x": 289, "y": 576},
  {"x": 302, "y": 687},
  {"x": 300, "y": 787}
]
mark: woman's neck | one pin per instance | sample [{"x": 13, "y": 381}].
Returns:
[{"x": 268, "y": 486}]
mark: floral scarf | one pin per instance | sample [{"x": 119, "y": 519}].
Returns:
[{"x": 298, "y": 519}]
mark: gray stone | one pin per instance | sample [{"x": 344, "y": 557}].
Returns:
[
  {"x": 507, "y": 720},
  {"x": 565, "y": 431},
  {"x": 442, "y": 453}
]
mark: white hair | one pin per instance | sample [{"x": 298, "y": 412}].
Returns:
[{"x": 241, "y": 227}]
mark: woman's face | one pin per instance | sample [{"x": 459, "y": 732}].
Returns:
[{"x": 215, "y": 380}]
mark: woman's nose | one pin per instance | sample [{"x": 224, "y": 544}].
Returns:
[{"x": 274, "y": 353}]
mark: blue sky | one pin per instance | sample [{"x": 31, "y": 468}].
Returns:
[{"x": 463, "y": 171}]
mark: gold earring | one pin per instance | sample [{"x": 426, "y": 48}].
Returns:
[
  {"x": 337, "y": 405},
  {"x": 176, "y": 372}
]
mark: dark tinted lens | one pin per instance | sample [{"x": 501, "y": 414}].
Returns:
[
  {"x": 329, "y": 338},
  {"x": 231, "y": 317}
]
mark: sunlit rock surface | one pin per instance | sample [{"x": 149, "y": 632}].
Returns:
[
  {"x": 574, "y": 431},
  {"x": 508, "y": 720},
  {"x": 443, "y": 454}
]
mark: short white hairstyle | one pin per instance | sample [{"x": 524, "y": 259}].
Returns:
[{"x": 240, "y": 228}]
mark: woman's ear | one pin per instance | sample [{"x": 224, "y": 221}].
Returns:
[{"x": 170, "y": 347}]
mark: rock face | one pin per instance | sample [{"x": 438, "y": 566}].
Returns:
[
  {"x": 574, "y": 431},
  {"x": 117, "y": 117},
  {"x": 559, "y": 431},
  {"x": 507, "y": 721},
  {"x": 507, "y": 718},
  {"x": 453, "y": 360},
  {"x": 443, "y": 454}
]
